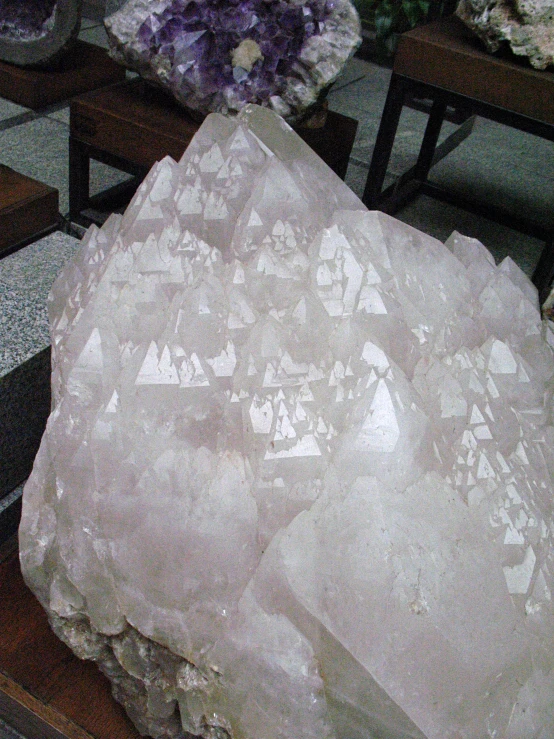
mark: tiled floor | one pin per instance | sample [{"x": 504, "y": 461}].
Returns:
[{"x": 500, "y": 164}]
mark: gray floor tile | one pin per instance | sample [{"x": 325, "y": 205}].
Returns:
[
  {"x": 440, "y": 220},
  {"x": 367, "y": 93},
  {"x": 89, "y": 23},
  {"x": 6, "y": 732},
  {"x": 39, "y": 149},
  {"x": 9, "y": 109},
  {"x": 25, "y": 281},
  {"x": 503, "y": 167},
  {"x": 496, "y": 164},
  {"x": 354, "y": 71},
  {"x": 95, "y": 35},
  {"x": 102, "y": 177},
  {"x": 61, "y": 115}
]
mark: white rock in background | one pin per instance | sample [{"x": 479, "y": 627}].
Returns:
[
  {"x": 526, "y": 25},
  {"x": 297, "y": 480}
]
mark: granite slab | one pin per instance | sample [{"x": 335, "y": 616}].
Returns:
[{"x": 25, "y": 280}]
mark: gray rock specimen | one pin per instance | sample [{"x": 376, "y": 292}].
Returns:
[
  {"x": 526, "y": 25},
  {"x": 218, "y": 56},
  {"x": 36, "y": 31},
  {"x": 297, "y": 480}
]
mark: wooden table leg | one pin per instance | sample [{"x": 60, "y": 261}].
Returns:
[
  {"x": 79, "y": 178},
  {"x": 430, "y": 139},
  {"x": 544, "y": 271},
  {"x": 385, "y": 141}
]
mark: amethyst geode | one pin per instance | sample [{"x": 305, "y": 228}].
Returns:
[
  {"x": 35, "y": 31},
  {"x": 220, "y": 55},
  {"x": 25, "y": 20}
]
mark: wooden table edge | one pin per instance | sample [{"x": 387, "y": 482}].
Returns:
[
  {"x": 27, "y": 714},
  {"x": 419, "y": 35}
]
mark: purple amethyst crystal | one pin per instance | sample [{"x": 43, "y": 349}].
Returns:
[
  {"x": 219, "y": 55},
  {"x": 35, "y": 31}
]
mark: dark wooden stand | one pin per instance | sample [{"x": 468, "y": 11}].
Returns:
[
  {"x": 28, "y": 209},
  {"x": 132, "y": 125},
  {"x": 84, "y": 67},
  {"x": 45, "y": 691},
  {"x": 445, "y": 63},
  {"x": 24, "y": 409}
]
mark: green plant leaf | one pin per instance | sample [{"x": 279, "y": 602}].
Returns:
[
  {"x": 386, "y": 16},
  {"x": 365, "y": 8},
  {"x": 412, "y": 11}
]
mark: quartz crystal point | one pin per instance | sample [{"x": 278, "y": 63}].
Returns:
[
  {"x": 35, "y": 31},
  {"x": 526, "y": 25},
  {"x": 297, "y": 479},
  {"x": 219, "y": 55}
]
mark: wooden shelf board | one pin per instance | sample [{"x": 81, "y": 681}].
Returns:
[
  {"x": 84, "y": 67},
  {"x": 28, "y": 208}
]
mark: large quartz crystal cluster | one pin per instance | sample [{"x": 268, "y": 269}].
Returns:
[
  {"x": 526, "y": 25},
  {"x": 219, "y": 55},
  {"x": 35, "y": 31},
  {"x": 297, "y": 479}
]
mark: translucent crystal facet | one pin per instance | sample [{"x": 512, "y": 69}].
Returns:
[
  {"x": 297, "y": 480},
  {"x": 215, "y": 55}
]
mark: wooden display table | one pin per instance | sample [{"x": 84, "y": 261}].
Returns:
[
  {"x": 446, "y": 63},
  {"x": 84, "y": 67},
  {"x": 45, "y": 691},
  {"x": 28, "y": 209},
  {"x": 132, "y": 125}
]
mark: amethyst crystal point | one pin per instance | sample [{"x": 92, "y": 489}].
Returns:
[
  {"x": 35, "y": 31},
  {"x": 217, "y": 55},
  {"x": 297, "y": 479}
]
